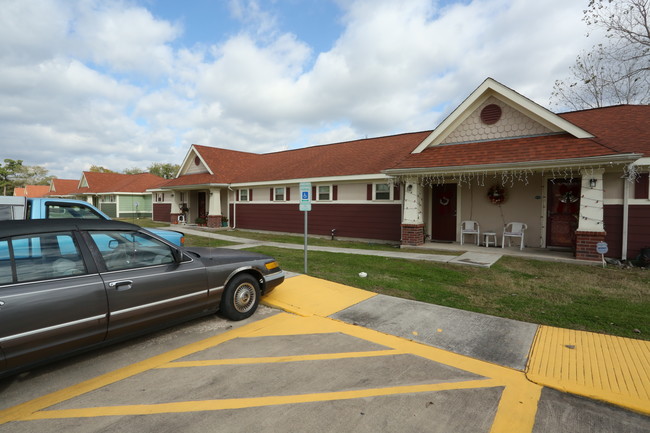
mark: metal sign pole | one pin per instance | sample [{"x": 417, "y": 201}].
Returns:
[{"x": 306, "y": 242}]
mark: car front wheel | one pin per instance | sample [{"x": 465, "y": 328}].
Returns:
[{"x": 240, "y": 298}]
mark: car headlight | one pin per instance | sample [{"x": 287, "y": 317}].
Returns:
[{"x": 272, "y": 265}]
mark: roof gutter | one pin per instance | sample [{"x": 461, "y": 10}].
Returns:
[{"x": 527, "y": 165}]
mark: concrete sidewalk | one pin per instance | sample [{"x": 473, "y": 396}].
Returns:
[
  {"x": 471, "y": 258},
  {"x": 601, "y": 367}
]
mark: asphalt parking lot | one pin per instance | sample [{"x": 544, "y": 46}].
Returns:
[{"x": 301, "y": 371}]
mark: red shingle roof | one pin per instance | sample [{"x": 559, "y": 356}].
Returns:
[
  {"x": 32, "y": 191},
  {"x": 118, "y": 182},
  {"x": 63, "y": 186}
]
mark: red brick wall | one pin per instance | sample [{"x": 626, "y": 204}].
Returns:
[
  {"x": 586, "y": 245},
  {"x": 412, "y": 234},
  {"x": 367, "y": 221},
  {"x": 214, "y": 221}
]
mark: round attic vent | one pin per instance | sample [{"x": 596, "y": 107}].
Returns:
[
  {"x": 491, "y": 114},
  {"x": 197, "y": 160}
]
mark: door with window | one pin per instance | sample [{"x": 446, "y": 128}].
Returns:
[
  {"x": 145, "y": 286},
  {"x": 52, "y": 300},
  {"x": 443, "y": 212},
  {"x": 563, "y": 212}
]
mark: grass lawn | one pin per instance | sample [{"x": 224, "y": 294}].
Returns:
[{"x": 611, "y": 301}]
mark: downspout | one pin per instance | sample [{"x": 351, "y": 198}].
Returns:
[
  {"x": 234, "y": 209},
  {"x": 626, "y": 190}
]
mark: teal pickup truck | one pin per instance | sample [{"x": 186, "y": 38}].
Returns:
[{"x": 24, "y": 208}]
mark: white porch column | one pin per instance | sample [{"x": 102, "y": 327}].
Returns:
[
  {"x": 214, "y": 206},
  {"x": 413, "y": 217},
  {"x": 591, "y": 201},
  {"x": 413, "y": 198}
]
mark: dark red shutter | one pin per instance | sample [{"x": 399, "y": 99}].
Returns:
[
  {"x": 271, "y": 195},
  {"x": 335, "y": 192},
  {"x": 396, "y": 192},
  {"x": 237, "y": 199},
  {"x": 288, "y": 197},
  {"x": 313, "y": 193},
  {"x": 369, "y": 194},
  {"x": 250, "y": 195}
]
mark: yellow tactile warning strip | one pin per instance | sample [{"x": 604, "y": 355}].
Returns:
[
  {"x": 308, "y": 296},
  {"x": 515, "y": 410},
  {"x": 603, "y": 367}
]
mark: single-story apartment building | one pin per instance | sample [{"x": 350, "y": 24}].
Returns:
[
  {"x": 573, "y": 179},
  {"x": 117, "y": 195}
]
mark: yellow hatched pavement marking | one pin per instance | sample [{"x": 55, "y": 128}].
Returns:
[
  {"x": 603, "y": 367},
  {"x": 515, "y": 412}
]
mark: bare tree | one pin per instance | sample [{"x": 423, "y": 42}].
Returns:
[{"x": 617, "y": 72}]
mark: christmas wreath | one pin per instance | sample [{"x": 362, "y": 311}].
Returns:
[{"x": 497, "y": 194}]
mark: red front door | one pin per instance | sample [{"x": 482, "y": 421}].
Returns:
[
  {"x": 443, "y": 211},
  {"x": 563, "y": 212}
]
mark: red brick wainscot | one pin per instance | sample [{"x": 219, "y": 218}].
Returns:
[
  {"x": 412, "y": 234},
  {"x": 586, "y": 245},
  {"x": 214, "y": 221}
]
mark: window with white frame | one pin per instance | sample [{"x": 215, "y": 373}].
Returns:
[
  {"x": 382, "y": 191},
  {"x": 160, "y": 196},
  {"x": 324, "y": 193},
  {"x": 108, "y": 199},
  {"x": 243, "y": 195},
  {"x": 279, "y": 194}
]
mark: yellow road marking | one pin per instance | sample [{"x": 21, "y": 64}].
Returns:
[
  {"x": 517, "y": 406},
  {"x": 308, "y": 296},
  {"x": 241, "y": 403},
  {"x": 278, "y": 359}
]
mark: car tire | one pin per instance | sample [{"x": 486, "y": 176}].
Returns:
[{"x": 240, "y": 298}]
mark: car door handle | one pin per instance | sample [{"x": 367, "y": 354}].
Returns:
[{"x": 121, "y": 285}]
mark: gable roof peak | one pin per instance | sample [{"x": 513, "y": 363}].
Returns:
[{"x": 492, "y": 88}]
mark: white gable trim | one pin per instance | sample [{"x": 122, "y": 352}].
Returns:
[
  {"x": 189, "y": 159},
  {"x": 491, "y": 87}
]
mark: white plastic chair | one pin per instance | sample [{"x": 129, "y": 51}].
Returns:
[
  {"x": 513, "y": 230},
  {"x": 470, "y": 228}
]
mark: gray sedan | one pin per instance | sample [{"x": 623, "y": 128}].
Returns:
[{"x": 71, "y": 285}]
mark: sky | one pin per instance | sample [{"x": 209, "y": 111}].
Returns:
[{"x": 127, "y": 83}]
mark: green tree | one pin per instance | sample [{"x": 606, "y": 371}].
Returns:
[
  {"x": 164, "y": 170},
  {"x": 8, "y": 173},
  {"x": 133, "y": 170},
  {"x": 618, "y": 71},
  {"x": 99, "y": 169}
]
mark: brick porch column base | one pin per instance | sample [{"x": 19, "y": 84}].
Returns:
[
  {"x": 214, "y": 221},
  {"x": 412, "y": 234},
  {"x": 586, "y": 245}
]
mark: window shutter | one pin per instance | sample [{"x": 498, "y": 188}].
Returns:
[
  {"x": 288, "y": 194},
  {"x": 271, "y": 194},
  {"x": 396, "y": 192},
  {"x": 335, "y": 192},
  {"x": 237, "y": 196},
  {"x": 641, "y": 186},
  {"x": 250, "y": 195},
  {"x": 313, "y": 193},
  {"x": 369, "y": 194}
]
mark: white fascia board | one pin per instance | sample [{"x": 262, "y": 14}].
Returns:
[
  {"x": 528, "y": 165},
  {"x": 330, "y": 179},
  {"x": 491, "y": 87},
  {"x": 192, "y": 152},
  {"x": 192, "y": 187},
  {"x": 642, "y": 161}
]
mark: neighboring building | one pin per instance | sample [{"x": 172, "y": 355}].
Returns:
[
  {"x": 117, "y": 195},
  {"x": 32, "y": 191},
  {"x": 62, "y": 187},
  {"x": 575, "y": 179}
]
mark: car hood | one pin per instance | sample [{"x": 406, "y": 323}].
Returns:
[{"x": 224, "y": 255}]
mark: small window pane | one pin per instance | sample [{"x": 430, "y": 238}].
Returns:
[
  {"x": 279, "y": 194},
  {"x": 382, "y": 191},
  {"x": 126, "y": 250},
  {"x": 5, "y": 263},
  {"x": 51, "y": 255},
  {"x": 71, "y": 211},
  {"x": 324, "y": 192},
  {"x": 243, "y": 195}
]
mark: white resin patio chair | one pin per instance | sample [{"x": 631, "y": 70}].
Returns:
[
  {"x": 513, "y": 230},
  {"x": 470, "y": 228}
]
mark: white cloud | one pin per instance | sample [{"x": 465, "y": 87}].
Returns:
[{"x": 98, "y": 82}]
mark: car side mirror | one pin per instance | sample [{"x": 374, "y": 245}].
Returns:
[{"x": 178, "y": 255}]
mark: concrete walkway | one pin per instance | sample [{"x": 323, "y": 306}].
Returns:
[{"x": 471, "y": 258}]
